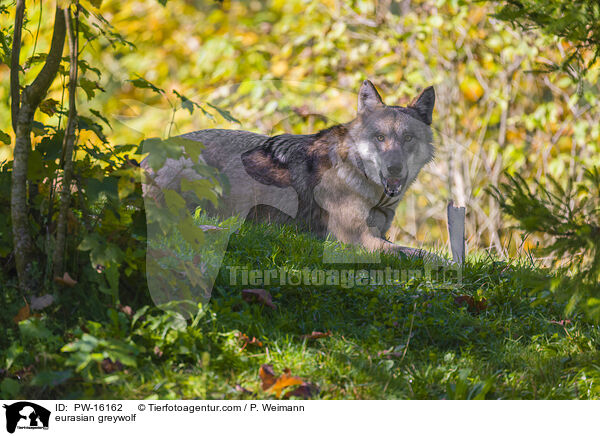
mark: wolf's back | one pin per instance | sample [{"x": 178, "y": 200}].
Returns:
[
  {"x": 223, "y": 150},
  {"x": 220, "y": 145}
]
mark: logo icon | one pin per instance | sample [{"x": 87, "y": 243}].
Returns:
[{"x": 26, "y": 415}]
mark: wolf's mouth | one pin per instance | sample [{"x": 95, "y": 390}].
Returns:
[{"x": 392, "y": 186}]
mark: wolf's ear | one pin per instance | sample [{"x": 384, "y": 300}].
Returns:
[
  {"x": 368, "y": 97},
  {"x": 424, "y": 103},
  {"x": 264, "y": 168}
]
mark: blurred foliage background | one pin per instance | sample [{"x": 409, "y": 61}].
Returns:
[{"x": 296, "y": 66}]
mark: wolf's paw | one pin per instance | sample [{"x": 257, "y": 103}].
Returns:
[{"x": 429, "y": 259}]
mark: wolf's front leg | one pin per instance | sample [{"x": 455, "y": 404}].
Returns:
[{"x": 373, "y": 243}]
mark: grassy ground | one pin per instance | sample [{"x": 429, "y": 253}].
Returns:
[{"x": 475, "y": 336}]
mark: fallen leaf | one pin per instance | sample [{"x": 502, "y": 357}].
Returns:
[
  {"x": 271, "y": 383},
  {"x": 23, "y": 313},
  {"x": 283, "y": 381},
  {"x": 317, "y": 335},
  {"x": 305, "y": 391},
  {"x": 65, "y": 280},
  {"x": 258, "y": 295},
  {"x": 108, "y": 366},
  {"x": 39, "y": 303},
  {"x": 267, "y": 376},
  {"x": 473, "y": 305},
  {"x": 245, "y": 340},
  {"x": 562, "y": 322}
]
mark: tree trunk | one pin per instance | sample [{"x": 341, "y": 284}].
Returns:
[
  {"x": 68, "y": 146},
  {"x": 22, "y": 113}
]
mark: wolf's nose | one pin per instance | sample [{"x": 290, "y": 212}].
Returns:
[{"x": 394, "y": 183}]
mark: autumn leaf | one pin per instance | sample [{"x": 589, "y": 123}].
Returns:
[
  {"x": 65, "y": 280},
  {"x": 39, "y": 303},
  {"x": 267, "y": 376},
  {"x": 245, "y": 340},
  {"x": 283, "y": 381},
  {"x": 471, "y": 89},
  {"x": 305, "y": 391},
  {"x": 258, "y": 295},
  {"x": 473, "y": 306},
  {"x": 23, "y": 314},
  {"x": 276, "y": 385},
  {"x": 317, "y": 335}
]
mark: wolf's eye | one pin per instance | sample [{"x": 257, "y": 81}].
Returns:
[
  {"x": 380, "y": 138},
  {"x": 408, "y": 138}
]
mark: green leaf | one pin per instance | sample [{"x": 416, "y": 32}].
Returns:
[
  {"x": 158, "y": 150},
  {"x": 33, "y": 328},
  {"x": 142, "y": 83},
  {"x": 5, "y": 138},
  {"x": 51, "y": 378},
  {"x": 14, "y": 351},
  {"x": 193, "y": 149},
  {"x": 99, "y": 115},
  {"x": 87, "y": 343},
  {"x": 224, "y": 113},
  {"x": 90, "y": 242},
  {"x": 35, "y": 166},
  {"x": 126, "y": 186},
  {"x": 86, "y": 123},
  {"x": 107, "y": 186},
  {"x": 89, "y": 86},
  {"x": 186, "y": 103},
  {"x": 10, "y": 388},
  {"x": 201, "y": 187},
  {"x": 190, "y": 232}
]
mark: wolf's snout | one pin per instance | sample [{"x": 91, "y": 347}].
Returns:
[{"x": 392, "y": 185}]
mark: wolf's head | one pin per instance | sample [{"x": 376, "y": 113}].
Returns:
[{"x": 391, "y": 143}]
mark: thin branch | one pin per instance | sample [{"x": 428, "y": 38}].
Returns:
[
  {"x": 15, "y": 89},
  {"x": 38, "y": 89},
  {"x": 68, "y": 143},
  {"x": 37, "y": 32}
]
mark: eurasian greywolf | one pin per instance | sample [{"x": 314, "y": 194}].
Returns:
[{"x": 345, "y": 180}]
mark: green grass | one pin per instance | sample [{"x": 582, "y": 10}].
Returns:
[{"x": 405, "y": 340}]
